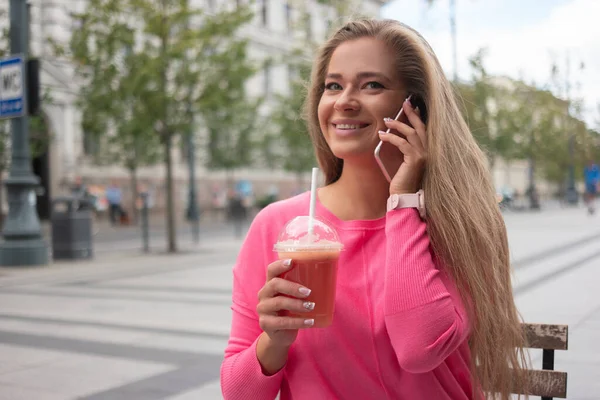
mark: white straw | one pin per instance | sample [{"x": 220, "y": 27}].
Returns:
[{"x": 313, "y": 200}]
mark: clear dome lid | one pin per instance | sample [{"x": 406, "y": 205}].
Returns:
[{"x": 295, "y": 237}]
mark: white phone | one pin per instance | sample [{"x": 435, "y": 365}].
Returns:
[{"x": 378, "y": 148}]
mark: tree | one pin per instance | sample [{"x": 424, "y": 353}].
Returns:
[
  {"x": 484, "y": 111},
  {"x": 177, "y": 50},
  {"x": 111, "y": 99},
  {"x": 231, "y": 118},
  {"x": 288, "y": 144}
]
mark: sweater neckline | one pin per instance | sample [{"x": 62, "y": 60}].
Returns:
[{"x": 364, "y": 224}]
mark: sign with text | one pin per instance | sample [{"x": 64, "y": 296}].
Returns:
[{"x": 12, "y": 102}]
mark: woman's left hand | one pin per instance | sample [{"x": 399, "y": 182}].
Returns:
[{"x": 412, "y": 143}]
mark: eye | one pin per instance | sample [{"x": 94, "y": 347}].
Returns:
[
  {"x": 333, "y": 86},
  {"x": 374, "y": 85}
]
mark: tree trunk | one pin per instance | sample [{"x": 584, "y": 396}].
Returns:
[
  {"x": 134, "y": 195},
  {"x": 170, "y": 214}
]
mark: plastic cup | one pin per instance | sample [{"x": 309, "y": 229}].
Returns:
[{"x": 315, "y": 262}]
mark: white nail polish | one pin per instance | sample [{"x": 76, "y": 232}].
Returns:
[
  {"x": 309, "y": 305},
  {"x": 309, "y": 322},
  {"x": 304, "y": 291}
]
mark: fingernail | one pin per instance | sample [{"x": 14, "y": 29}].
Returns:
[
  {"x": 386, "y": 119},
  {"x": 309, "y": 305},
  {"x": 382, "y": 132},
  {"x": 407, "y": 102},
  {"x": 287, "y": 263},
  {"x": 309, "y": 322},
  {"x": 304, "y": 291}
]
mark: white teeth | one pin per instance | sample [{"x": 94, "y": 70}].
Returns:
[{"x": 346, "y": 126}]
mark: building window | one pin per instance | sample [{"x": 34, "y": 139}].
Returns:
[{"x": 264, "y": 12}]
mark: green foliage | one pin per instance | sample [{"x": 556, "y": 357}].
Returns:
[
  {"x": 287, "y": 143},
  {"x": 230, "y": 116},
  {"x": 513, "y": 120},
  {"x": 150, "y": 66}
]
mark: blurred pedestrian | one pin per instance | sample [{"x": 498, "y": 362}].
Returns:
[
  {"x": 591, "y": 174},
  {"x": 114, "y": 197},
  {"x": 237, "y": 212}
]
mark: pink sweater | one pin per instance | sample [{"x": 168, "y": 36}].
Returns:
[{"x": 399, "y": 330}]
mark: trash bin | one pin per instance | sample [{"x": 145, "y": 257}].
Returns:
[{"x": 71, "y": 228}]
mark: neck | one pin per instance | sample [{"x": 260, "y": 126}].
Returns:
[{"x": 360, "y": 194}]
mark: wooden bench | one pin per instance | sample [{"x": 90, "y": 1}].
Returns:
[{"x": 546, "y": 382}]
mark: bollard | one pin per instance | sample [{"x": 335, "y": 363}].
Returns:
[{"x": 145, "y": 233}]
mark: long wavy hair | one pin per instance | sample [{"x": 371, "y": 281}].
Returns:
[{"x": 465, "y": 225}]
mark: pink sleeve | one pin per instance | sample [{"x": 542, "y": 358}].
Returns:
[
  {"x": 241, "y": 373},
  {"x": 424, "y": 315}
]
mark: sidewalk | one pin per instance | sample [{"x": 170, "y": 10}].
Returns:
[
  {"x": 118, "y": 261},
  {"x": 152, "y": 327}
]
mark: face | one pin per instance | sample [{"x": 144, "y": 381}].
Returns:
[{"x": 361, "y": 89}]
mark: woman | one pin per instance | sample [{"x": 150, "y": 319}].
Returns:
[{"x": 419, "y": 301}]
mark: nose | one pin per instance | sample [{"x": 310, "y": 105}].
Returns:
[{"x": 346, "y": 102}]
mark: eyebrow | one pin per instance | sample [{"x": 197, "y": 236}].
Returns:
[{"x": 360, "y": 75}]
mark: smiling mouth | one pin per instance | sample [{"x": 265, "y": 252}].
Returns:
[{"x": 350, "y": 126}]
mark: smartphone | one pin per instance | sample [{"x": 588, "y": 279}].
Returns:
[{"x": 416, "y": 102}]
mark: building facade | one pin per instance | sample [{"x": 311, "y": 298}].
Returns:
[{"x": 272, "y": 34}]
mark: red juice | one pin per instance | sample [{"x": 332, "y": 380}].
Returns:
[{"x": 317, "y": 270}]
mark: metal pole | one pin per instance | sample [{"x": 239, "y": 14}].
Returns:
[
  {"x": 193, "y": 212},
  {"x": 23, "y": 242},
  {"x": 144, "y": 224}
]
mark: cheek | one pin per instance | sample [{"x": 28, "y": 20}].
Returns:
[{"x": 324, "y": 112}]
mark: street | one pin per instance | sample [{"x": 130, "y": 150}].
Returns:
[{"x": 132, "y": 326}]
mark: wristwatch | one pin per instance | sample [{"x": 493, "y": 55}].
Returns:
[{"x": 413, "y": 200}]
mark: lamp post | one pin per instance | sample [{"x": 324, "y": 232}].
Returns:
[{"x": 23, "y": 243}]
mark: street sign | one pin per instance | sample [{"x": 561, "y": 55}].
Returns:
[{"x": 12, "y": 102}]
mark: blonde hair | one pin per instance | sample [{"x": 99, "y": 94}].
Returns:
[{"x": 465, "y": 225}]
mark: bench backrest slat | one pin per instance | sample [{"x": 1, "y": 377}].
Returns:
[
  {"x": 544, "y": 336},
  {"x": 547, "y": 383}
]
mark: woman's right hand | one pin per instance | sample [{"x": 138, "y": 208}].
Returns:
[{"x": 273, "y": 299}]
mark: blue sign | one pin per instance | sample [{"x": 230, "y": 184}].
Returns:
[{"x": 12, "y": 75}]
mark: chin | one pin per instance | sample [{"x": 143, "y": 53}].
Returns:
[{"x": 347, "y": 151}]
